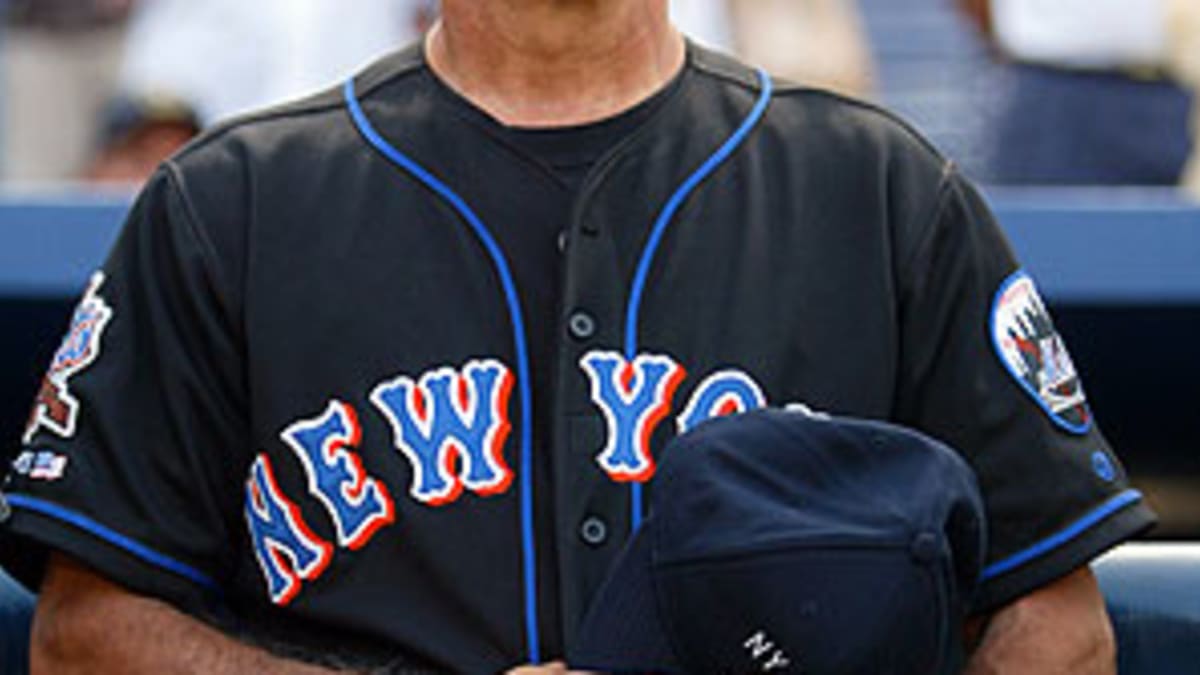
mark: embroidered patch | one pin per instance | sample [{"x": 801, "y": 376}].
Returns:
[
  {"x": 1031, "y": 349},
  {"x": 1103, "y": 466},
  {"x": 40, "y": 465},
  {"x": 634, "y": 396},
  {"x": 55, "y": 409},
  {"x": 726, "y": 392},
  {"x": 452, "y": 426}
]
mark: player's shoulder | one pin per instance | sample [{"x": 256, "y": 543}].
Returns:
[
  {"x": 842, "y": 148},
  {"x": 253, "y": 169},
  {"x": 811, "y": 119}
]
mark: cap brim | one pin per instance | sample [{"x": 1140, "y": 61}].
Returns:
[{"x": 623, "y": 629}]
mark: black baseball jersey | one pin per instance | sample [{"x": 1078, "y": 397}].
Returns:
[{"x": 367, "y": 368}]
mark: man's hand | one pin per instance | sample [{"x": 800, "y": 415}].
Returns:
[
  {"x": 86, "y": 624},
  {"x": 1062, "y": 627},
  {"x": 555, "y": 668}
]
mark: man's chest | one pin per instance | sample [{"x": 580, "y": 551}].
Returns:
[
  {"x": 409, "y": 322},
  {"x": 424, "y": 398},
  {"x": 405, "y": 354}
]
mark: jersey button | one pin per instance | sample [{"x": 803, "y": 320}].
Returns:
[
  {"x": 593, "y": 531},
  {"x": 562, "y": 241},
  {"x": 582, "y": 325}
]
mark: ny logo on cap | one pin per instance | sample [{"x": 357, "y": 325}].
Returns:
[{"x": 764, "y": 653}]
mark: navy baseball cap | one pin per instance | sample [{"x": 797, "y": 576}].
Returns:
[{"x": 781, "y": 541}]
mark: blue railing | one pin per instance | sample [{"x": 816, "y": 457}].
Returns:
[
  {"x": 51, "y": 243},
  {"x": 1106, "y": 245}
]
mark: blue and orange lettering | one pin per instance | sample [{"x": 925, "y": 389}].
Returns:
[
  {"x": 725, "y": 392},
  {"x": 358, "y": 504},
  {"x": 634, "y": 398},
  {"x": 451, "y": 427},
  {"x": 287, "y": 550}
]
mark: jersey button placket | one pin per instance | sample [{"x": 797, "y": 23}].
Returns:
[
  {"x": 593, "y": 531},
  {"x": 581, "y": 325}
]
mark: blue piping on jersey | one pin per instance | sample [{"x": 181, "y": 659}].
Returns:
[
  {"x": 656, "y": 234},
  {"x": 117, "y": 539},
  {"x": 1072, "y": 531},
  {"x": 528, "y": 551}
]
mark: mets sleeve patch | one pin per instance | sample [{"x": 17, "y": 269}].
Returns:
[
  {"x": 1031, "y": 349},
  {"x": 56, "y": 408}
]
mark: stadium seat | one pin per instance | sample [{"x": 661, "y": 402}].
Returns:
[{"x": 1153, "y": 594}]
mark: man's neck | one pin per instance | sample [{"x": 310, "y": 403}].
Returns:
[{"x": 546, "y": 63}]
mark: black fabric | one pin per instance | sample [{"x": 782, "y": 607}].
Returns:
[
  {"x": 865, "y": 612},
  {"x": 280, "y": 266},
  {"x": 567, "y": 153}
]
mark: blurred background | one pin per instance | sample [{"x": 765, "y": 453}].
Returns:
[{"x": 1077, "y": 116}]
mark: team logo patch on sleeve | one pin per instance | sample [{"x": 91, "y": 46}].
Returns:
[
  {"x": 43, "y": 465},
  {"x": 1031, "y": 349},
  {"x": 55, "y": 409}
]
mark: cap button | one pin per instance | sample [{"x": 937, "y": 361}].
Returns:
[{"x": 926, "y": 548}]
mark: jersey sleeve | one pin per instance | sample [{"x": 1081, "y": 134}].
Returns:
[
  {"x": 984, "y": 369},
  {"x": 128, "y": 457}
]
